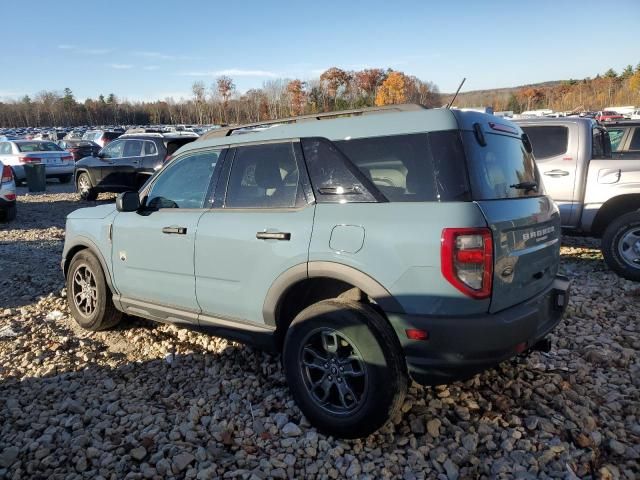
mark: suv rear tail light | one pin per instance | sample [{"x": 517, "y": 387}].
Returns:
[
  {"x": 466, "y": 256},
  {"x": 29, "y": 159},
  {"x": 7, "y": 174}
]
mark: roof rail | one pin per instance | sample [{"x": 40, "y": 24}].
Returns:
[
  {"x": 142, "y": 130},
  {"x": 226, "y": 131}
]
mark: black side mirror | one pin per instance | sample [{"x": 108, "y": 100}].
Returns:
[{"x": 128, "y": 202}]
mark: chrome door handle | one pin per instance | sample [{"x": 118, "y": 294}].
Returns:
[
  {"x": 273, "y": 236},
  {"x": 556, "y": 173},
  {"x": 175, "y": 230}
]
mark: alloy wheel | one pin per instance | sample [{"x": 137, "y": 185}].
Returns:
[
  {"x": 334, "y": 371},
  {"x": 629, "y": 247},
  {"x": 85, "y": 290}
]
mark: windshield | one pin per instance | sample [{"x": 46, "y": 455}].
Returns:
[
  {"x": 501, "y": 169},
  {"x": 38, "y": 147}
]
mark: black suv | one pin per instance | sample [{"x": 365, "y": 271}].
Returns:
[
  {"x": 625, "y": 139},
  {"x": 126, "y": 163}
]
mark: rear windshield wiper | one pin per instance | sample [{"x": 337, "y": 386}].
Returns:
[{"x": 526, "y": 186}]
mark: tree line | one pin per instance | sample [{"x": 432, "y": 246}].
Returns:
[
  {"x": 592, "y": 94},
  {"x": 222, "y": 103}
]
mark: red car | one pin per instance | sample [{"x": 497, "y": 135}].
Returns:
[{"x": 608, "y": 116}]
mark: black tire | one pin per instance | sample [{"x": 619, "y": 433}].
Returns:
[
  {"x": 86, "y": 193},
  {"x": 95, "y": 311},
  {"x": 9, "y": 213},
  {"x": 65, "y": 178},
  {"x": 620, "y": 247},
  {"x": 371, "y": 343}
]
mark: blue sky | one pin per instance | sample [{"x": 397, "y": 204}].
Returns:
[{"x": 148, "y": 50}]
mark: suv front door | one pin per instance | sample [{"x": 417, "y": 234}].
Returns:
[
  {"x": 262, "y": 230},
  {"x": 152, "y": 249}
]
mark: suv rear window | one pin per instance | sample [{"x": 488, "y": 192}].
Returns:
[
  {"x": 498, "y": 167},
  {"x": 412, "y": 168},
  {"x": 548, "y": 140}
]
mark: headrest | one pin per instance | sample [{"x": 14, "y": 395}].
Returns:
[{"x": 267, "y": 175}]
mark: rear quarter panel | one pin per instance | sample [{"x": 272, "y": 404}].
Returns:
[{"x": 400, "y": 249}]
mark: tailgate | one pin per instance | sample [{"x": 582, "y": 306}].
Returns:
[{"x": 526, "y": 235}]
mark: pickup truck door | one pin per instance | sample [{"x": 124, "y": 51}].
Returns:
[{"x": 555, "y": 148}]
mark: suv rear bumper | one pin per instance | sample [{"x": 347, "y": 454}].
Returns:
[{"x": 459, "y": 347}]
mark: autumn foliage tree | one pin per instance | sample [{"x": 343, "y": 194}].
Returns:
[
  {"x": 393, "y": 90},
  {"x": 297, "y": 96}
]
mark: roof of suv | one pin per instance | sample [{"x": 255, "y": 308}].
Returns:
[
  {"x": 400, "y": 121},
  {"x": 164, "y": 136}
]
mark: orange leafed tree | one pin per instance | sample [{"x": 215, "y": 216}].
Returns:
[
  {"x": 393, "y": 90},
  {"x": 297, "y": 96}
]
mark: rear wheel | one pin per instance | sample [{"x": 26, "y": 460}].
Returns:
[
  {"x": 345, "y": 368},
  {"x": 85, "y": 190},
  {"x": 88, "y": 294},
  {"x": 621, "y": 246},
  {"x": 65, "y": 178}
]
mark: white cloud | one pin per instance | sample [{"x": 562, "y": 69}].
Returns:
[
  {"x": 85, "y": 50},
  {"x": 150, "y": 67},
  {"x": 232, "y": 72},
  {"x": 160, "y": 55},
  {"x": 121, "y": 66}
]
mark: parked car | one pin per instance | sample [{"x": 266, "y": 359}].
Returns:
[
  {"x": 101, "y": 137},
  {"x": 635, "y": 115},
  {"x": 608, "y": 116},
  {"x": 7, "y": 194},
  {"x": 17, "y": 153},
  {"x": 126, "y": 163},
  {"x": 354, "y": 245},
  {"x": 625, "y": 139},
  {"x": 597, "y": 194},
  {"x": 79, "y": 148}
]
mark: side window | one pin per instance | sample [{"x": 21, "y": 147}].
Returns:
[
  {"x": 150, "y": 148},
  {"x": 333, "y": 177},
  {"x": 132, "y": 148},
  {"x": 548, "y": 141},
  {"x": 635, "y": 140},
  {"x": 114, "y": 149},
  {"x": 184, "y": 184},
  {"x": 616, "y": 134},
  {"x": 601, "y": 144},
  {"x": 263, "y": 176}
]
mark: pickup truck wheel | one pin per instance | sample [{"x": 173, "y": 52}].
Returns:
[
  {"x": 345, "y": 368},
  {"x": 85, "y": 190},
  {"x": 88, "y": 294},
  {"x": 621, "y": 246}
]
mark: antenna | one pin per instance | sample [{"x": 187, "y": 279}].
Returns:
[{"x": 456, "y": 94}]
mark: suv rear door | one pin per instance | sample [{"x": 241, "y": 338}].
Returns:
[
  {"x": 257, "y": 230},
  {"x": 555, "y": 147}
]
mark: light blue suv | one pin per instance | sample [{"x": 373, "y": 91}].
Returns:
[{"x": 370, "y": 249}]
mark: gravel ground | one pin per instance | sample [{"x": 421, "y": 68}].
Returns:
[{"x": 156, "y": 401}]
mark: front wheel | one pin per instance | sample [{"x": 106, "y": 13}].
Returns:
[
  {"x": 345, "y": 368},
  {"x": 621, "y": 246},
  {"x": 85, "y": 190},
  {"x": 88, "y": 294}
]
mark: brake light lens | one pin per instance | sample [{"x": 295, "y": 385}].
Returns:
[
  {"x": 466, "y": 258},
  {"x": 67, "y": 158},
  {"x": 7, "y": 174},
  {"x": 29, "y": 159}
]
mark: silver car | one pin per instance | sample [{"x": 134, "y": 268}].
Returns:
[{"x": 18, "y": 153}]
